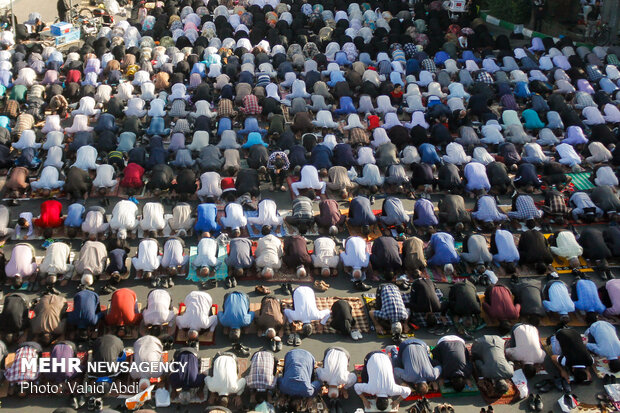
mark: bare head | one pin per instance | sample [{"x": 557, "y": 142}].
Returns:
[
  {"x": 192, "y": 335},
  {"x": 325, "y": 272},
  {"x": 357, "y": 273},
  {"x": 268, "y": 273},
  {"x": 301, "y": 271}
]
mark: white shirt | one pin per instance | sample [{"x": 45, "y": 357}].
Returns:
[
  {"x": 148, "y": 256},
  {"x": 567, "y": 154},
  {"x": 305, "y": 308},
  {"x": 365, "y": 156},
  {"x": 309, "y": 177},
  {"x": 158, "y": 311},
  {"x": 86, "y": 158},
  {"x": 267, "y": 214},
  {"x": 28, "y": 217},
  {"x": 355, "y": 254},
  {"x": 94, "y": 222},
  {"x": 324, "y": 250},
  {"x": 567, "y": 246},
  {"x": 527, "y": 347},
  {"x": 210, "y": 185},
  {"x": 234, "y": 216},
  {"x": 124, "y": 215},
  {"x": 381, "y": 381},
  {"x": 105, "y": 173},
  {"x": 55, "y": 261},
  {"x": 152, "y": 217},
  {"x": 224, "y": 380},
  {"x": 197, "y": 309},
  {"x": 173, "y": 253},
  {"x": 335, "y": 370},
  {"x": 206, "y": 254}
]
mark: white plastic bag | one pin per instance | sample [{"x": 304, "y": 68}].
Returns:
[{"x": 518, "y": 378}]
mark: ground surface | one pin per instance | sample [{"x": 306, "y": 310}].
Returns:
[{"x": 315, "y": 344}]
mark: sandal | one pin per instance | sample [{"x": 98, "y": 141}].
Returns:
[
  {"x": 291, "y": 339},
  {"x": 324, "y": 285},
  {"x": 297, "y": 340},
  {"x": 261, "y": 289},
  {"x": 319, "y": 286}
]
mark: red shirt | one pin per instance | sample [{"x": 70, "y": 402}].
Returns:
[
  {"x": 74, "y": 76},
  {"x": 228, "y": 184},
  {"x": 122, "y": 308},
  {"x": 132, "y": 176},
  {"x": 500, "y": 305},
  {"x": 51, "y": 214},
  {"x": 373, "y": 122}
]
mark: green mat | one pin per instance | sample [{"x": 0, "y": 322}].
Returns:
[
  {"x": 221, "y": 271},
  {"x": 581, "y": 181},
  {"x": 447, "y": 391}
]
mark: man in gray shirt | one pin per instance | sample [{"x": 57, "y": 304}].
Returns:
[
  {"x": 240, "y": 256},
  {"x": 488, "y": 355},
  {"x": 302, "y": 215},
  {"x": 412, "y": 364},
  {"x": 393, "y": 212}
]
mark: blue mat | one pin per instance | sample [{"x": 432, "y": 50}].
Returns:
[
  {"x": 221, "y": 271},
  {"x": 257, "y": 234}
]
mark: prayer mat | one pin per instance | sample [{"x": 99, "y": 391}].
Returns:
[
  {"x": 221, "y": 271},
  {"x": 255, "y": 232},
  {"x": 206, "y": 338},
  {"x": 313, "y": 231},
  {"x": 470, "y": 389},
  {"x": 412, "y": 396},
  {"x": 362, "y": 323},
  {"x": 487, "y": 392},
  {"x": 112, "y": 192},
  {"x": 375, "y": 231},
  {"x": 138, "y": 193},
  {"x": 581, "y": 181},
  {"x": 252, "y": 328}
]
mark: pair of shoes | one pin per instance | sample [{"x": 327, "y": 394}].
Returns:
[
  {"x": 397, "y": 338},
  {"x": 231, "y": 282},
  {"x": 276, "y": 345},
  {"x": 534, "y": 403},
  {"x": 286, "y": 288},
  {"x": 261, "y": 289},
  {"x": 356, "y": 335},
  {"x": 609, "y": 379},
  {"x": 241, "y": 350},
  {"x": 361, "y": 286},
  {"x": 607, "y": 275},
  {"x": 155, "y": 282},
  {"x": 207, "y": 285},
  {"x": 321, "y": 285}
]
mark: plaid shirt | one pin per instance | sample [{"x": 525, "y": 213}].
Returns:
[
  {"x": 593, "y": 72},
  {"x": 429, "y": 65},
  {"x": 272, "y": 159},
  {"x": 392, "y": 304},
  {"x": 14, "y": 373},
  {"x": 225, "y": 109},
  {"x": 556, "y": 204},
  {"x": 251, "y": 106},
  {"x": 526, "y": 208},
  {"x": 484, "y": 77},
  {"x": 262, "y": 371}
]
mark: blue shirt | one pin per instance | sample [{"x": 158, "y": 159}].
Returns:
[
  {"x": 297, "y": 377},
  {"x": 254, "y": 138},
  {"x": 236, "y": 312},
  {"x": 603, "y": 340},
  {"x": 587, "y": 297},
  {"x": 442, "y": 245},
  {"x": 321, "y": 157},
  {"x": 85, "y": 309},
  {"x": 75, "y": 215},
  {"x": 424, "y": 213},
  {"x": 207, "y": 218},
  {"x": 428, "y": 154}
]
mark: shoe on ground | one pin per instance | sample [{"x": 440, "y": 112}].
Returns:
[
  {"x": 297, "y": 340},
  {"x": 273, "y": 346},
  {"x": 361, "y": 286},
  {"x": 170, "y": 283},
  {"x": 531, "y": 402},
  {"x": 538, "y": 403},
  {"x": 278, "y": 345},
  {"x": 242, "y": 351}
]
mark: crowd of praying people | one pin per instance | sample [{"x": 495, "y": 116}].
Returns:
[{"x": 184, "y": 120}]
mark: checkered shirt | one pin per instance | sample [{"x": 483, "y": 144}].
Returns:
[
  {"x": 262, "y": 375},
  {"x": 14, "y": 373},
  {"x": 484, "y": 77},
  {"x": 593, "y": 72},
  {"x": 429, "y": 65},
  {"x": 526, "y": 208},
  {"x": 251, "y": 106},
  {"x": 225, "y": 109},
  {"x": 392, "y": 304}
]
